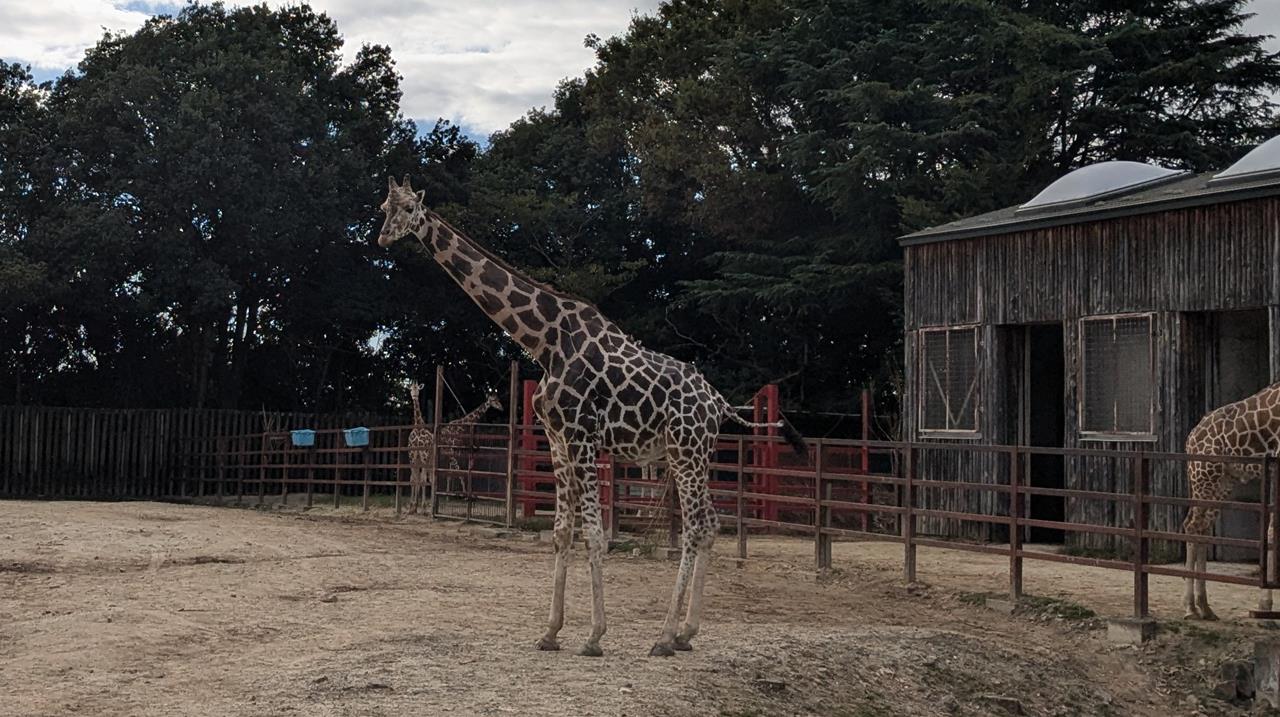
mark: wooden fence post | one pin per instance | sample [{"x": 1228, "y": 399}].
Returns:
[
  {"x": 866, "y": 456},
  {"x": 908, "y": 516},
  {"x": 222, "y": 465},
  {"x": 287, "y": 459},
  {"x": 364, "y": 476},
  {"x": 821, "y": 513},
  {"x": 262, "y": 469},
  {"x": 311, "y": 474},
  {"x": 1015, "y": 525},
  {"x": 1140, "y": 544},
  {"x": 339, "y": 460},
  {"x": 1270, "y": 542},
  {"x": 513, "y": 399},
  {"x": 399, "y": 454}
]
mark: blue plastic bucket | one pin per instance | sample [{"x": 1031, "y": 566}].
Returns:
[
  {"x": 303, "y": 437},
  {"x": 356, "y": 436}
]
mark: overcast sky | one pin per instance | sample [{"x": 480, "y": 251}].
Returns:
[{"x": 480, "y": 63}]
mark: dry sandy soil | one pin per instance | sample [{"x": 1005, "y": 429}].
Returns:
[{"x": 162, "y": 609}]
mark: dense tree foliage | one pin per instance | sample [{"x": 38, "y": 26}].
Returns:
[{"x": 186, "y": 218}]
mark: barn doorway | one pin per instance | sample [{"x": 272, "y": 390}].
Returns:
[
  {"x": 1238, "y": 364},
  {"x": 1043, "y": 424}
]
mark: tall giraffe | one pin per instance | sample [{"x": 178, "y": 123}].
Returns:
[
  {"x": 601, "y": 390},
  {"x": 421, "y": 441},
  {"x": 451, "y": 436},
  {"x": 1249, "y": 427}
]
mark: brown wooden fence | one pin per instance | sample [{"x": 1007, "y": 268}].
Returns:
[
  {"x": 821, "y": 496},
  {"x": 109, "y": 454}
]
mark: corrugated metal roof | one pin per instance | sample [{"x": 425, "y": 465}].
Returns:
[{"x": 1193, "y": 190}]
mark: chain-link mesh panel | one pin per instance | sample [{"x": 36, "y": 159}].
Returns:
[
  {"x": 1118, "y": 377},
  {"x": 950, "y": 380}
]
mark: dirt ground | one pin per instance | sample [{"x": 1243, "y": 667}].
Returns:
[{"x": 163, "y": 609}]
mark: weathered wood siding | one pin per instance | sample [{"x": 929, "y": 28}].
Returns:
[{"x": 1173, "y": 264}]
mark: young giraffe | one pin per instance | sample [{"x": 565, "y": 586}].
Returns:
[
  {"x": 452, "y": 438},
  {"x": 1249, "y": 427},
  {"x": 420, "y": 443},
  {"x": 601, "y": 390}
]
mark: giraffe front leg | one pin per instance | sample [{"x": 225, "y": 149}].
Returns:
[
  {"x": 665, "y": 647},
  {"x": 1189, "y": 611},
  {"x": 693, "y": 617},
  {"x": 562, "y": 538},
  {"x": 1202, "y": 566}
]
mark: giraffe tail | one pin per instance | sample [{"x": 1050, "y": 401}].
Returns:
[{"x": 789, "y": 432}]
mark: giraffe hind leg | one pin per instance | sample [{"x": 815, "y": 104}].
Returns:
[{"x": 1191, "y": 526}]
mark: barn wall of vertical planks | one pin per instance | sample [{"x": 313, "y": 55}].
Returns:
[{"x": 1204, "y": 272}]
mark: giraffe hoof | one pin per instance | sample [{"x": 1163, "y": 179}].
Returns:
[
  {"x": 661, "y": 650},
  {"x": 680, "y": 645},
  {"x": 589, "y": 650},
  {"x": 1208, "y": 614},
  {"x": 548, "y": 645}
]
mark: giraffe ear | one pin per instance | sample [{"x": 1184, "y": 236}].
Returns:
[
  {"x": 391, "y": 182},
  {"x": 422, "y": 196}
]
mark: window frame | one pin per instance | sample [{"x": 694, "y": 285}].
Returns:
[
  {"x": 921, "y": 362},
  {"x": 1148, "y": 436}
]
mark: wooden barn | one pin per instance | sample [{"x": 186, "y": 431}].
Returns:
[{"x": 1112, "y": 310}]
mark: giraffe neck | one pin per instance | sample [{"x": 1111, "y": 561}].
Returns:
[
  {"x": 537, "y": 319},
  {"x": 472, "y": 417},
  {"x": 417, "y": 413}
]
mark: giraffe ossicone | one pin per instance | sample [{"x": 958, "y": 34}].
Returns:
[
  {"x": 1249, "y": 427},
  {"x": 601, "y": 390}
]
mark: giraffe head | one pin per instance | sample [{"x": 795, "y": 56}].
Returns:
[
  {"x": 491, "y": 402},
  {"x": 404, "y": 209},
  {"x": 415, "y": 388}
]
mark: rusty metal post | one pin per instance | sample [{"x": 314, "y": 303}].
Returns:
[
  {"x": 434, "y": 458},
  {"x": 742, "y": 528},
  {"x": 1015, "y": 525},
  {"x": 512, "y": 413},
  {"x": 908, "y": 516},
  {"x": 1140, "y": 543}
]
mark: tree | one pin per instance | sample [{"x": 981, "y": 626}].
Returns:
[{"x": 215, "y": 180}]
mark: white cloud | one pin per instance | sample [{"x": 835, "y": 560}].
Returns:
[{"x": 481, "y": 63}]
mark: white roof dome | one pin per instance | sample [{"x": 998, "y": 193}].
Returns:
[
  {"x": 1099, "y": 180},
  {"x": 1263, "y": 159}
]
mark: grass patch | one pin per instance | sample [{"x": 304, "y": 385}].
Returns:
[
  {"x": 1065, "y": 609},
  {"x": 644, "y": 545}
]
